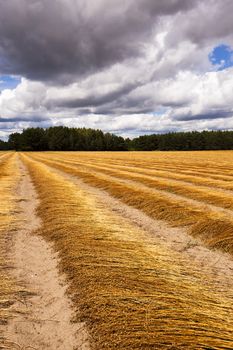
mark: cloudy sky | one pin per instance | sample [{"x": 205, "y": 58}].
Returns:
[{"x": 126, "y": 66}]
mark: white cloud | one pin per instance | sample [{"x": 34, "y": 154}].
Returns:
[{"x": 161, "y": 79}]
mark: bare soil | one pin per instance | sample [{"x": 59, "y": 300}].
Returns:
[{"x": 43, "y": 318}]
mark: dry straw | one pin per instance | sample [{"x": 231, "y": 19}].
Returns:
[
  {"x": 9, "y": 291},
  {"x": 131, "y": 293},
  {"x": 215, "y": 228}
]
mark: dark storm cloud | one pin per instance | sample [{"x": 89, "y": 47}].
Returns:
[
  {"x": 121, "y": 111},
  {"x": 123, "y": 104},
  {"x": 47, "y": 40},
  {"x": 211, "y": 20},
  {"x": 216, "y": 114},
  {"x": 23, "y": 119},
  {"x": 94, "y": 100}
]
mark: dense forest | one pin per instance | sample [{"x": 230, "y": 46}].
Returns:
[{"x": 81, "y": 139}]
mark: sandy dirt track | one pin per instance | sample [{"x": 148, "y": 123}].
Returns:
[{"x": 43, "y": 319}]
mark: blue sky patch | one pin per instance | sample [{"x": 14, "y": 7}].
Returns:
[
  {"x": 9, "y": 82},
  {"x": 222, "y": 56}
]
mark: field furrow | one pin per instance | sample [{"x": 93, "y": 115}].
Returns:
[
  {"x": 210, "y": 195},
  {"x": 168, "y": 175},
  {"x": 213, "y": 226},
  {"x": 132, "y": 292},
  {"x": 182, "y": 161}
]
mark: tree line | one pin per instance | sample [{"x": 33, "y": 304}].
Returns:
[
  {"x": 62, "y": 138},
  {"x": 185, "y": 141}
]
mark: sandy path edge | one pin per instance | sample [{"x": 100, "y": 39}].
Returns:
[{"x": 44, "y": 319}]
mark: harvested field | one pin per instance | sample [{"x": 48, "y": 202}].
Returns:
[
  {"x": 207, "y": 212},
  {"x": 142, "y": 244}
]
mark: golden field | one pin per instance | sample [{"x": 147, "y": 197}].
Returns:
[
  {"x": 131, "y": 289},
  {"x": 184, "y": 188}
]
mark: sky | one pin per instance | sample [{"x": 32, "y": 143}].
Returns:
[{"x": 124, "y": 66}]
